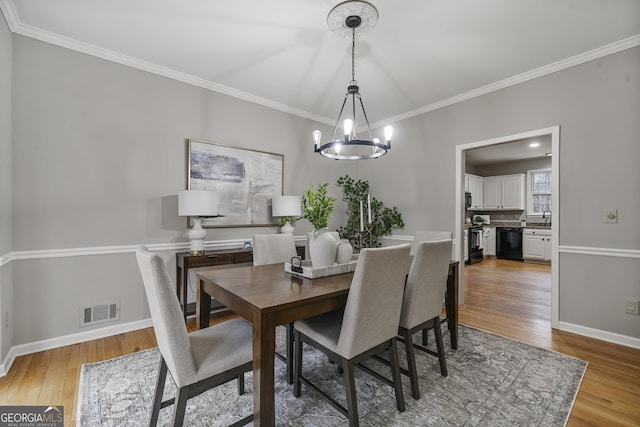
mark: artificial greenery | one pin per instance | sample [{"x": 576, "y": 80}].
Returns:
[
  {"x": 317, "y": 206},
  {"x": 383, "y": 219}
]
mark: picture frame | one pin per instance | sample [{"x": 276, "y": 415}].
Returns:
[{"x": 245, "y": 179}]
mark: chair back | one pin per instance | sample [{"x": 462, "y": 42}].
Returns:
[
  {"x": 373, "y": 306},
  {"x": 426, "y": 283},
  {"x": 166, "y": 314},
  {"x": 273, "y": 248},
  {"x": 429, "y": 236}
]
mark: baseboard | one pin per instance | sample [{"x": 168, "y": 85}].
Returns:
[
  {"x": 600, "y": 335},
  {"x": 48, "y": 344}
]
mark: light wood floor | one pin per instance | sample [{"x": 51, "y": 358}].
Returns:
[{"x": 506, "y": 297}]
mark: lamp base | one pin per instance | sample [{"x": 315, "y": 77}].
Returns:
[
  {"x": 197, "y": 235},
  {"x": 287, "y": 228}
]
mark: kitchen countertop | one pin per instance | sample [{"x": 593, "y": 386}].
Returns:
[{"x": 517, "y": 225}]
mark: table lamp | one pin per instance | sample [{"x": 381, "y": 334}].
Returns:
[
  {"x": 197, "y": 204},
  {"x": 287, "y": 208}
]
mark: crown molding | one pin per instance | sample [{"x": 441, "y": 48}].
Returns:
[
  {"x": 16, "y": 26},
  {"x": 10, "y": 14},
  {"x": 597, "y": 53}
]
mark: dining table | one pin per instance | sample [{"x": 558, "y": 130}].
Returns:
[{"x": 267, "y": 296}]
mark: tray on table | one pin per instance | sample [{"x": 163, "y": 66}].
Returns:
[{"x": 311, "y": 272}]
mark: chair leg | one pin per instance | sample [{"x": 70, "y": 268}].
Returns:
[
  {"x": 411, "y": 363},
  {"x": 440, "y": 347},
  {"x": 297, "y": 364},
  {"x": 290, "y": 339},
  {"x": 157, "y": 398},
  {"x": 425, "y": 337},
  {"x": 241, "y": 384},
  {"x": 395, "y": 374},
  {"x": 180, "y": 406},
  {"x": 350, "y": 389}
]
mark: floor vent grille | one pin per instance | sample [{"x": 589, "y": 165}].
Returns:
[{"x": 99, "y": 314}]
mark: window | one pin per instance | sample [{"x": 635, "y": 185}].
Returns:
[{"x": 539, "y": 191}]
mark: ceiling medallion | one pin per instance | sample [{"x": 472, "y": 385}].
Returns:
[{"x": 352, "y": 18}]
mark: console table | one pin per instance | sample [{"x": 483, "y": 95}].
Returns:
[{"x": 185, "y": 261}]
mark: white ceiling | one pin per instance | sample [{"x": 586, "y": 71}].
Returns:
[
  {"x": 509, "y": 151},
  {"x": 422, "y": 55}
]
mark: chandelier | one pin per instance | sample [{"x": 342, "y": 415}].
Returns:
[{"x": 345, "y": 19}]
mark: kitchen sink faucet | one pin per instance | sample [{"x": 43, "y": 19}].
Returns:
[{"x": 545, "y": 217}]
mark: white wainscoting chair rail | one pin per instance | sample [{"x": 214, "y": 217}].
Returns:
[{"x": 237, "y": 243}]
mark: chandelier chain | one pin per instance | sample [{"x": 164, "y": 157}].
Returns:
[{"x": 353, "y": 54}]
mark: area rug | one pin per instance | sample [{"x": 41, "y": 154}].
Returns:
[{"x": 492, "y": 381}]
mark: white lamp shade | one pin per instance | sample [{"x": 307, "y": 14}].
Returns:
[
  {"x": 286, "y": 206},
  {"x": 198, "y": 203}
]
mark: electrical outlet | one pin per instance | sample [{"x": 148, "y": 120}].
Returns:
[
  {"x": 631, "y": 306},
  {"x": 611, "y": 216}
]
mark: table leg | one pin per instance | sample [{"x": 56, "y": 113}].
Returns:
[
  {"x": 264, "y": 347},
  {"x": 203, "y": 307},
  {"x": 451, "y": 302}
]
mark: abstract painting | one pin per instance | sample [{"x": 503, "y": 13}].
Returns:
[{"x": 246, "y": 181}]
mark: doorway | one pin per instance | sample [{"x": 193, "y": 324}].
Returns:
[{"x": 554, "y": 133}]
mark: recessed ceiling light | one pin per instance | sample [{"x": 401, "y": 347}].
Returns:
[
  {"x": 547, "y": 154},
  {"x": 534, "y": 144}
]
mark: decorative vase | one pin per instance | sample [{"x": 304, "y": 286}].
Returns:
[
  {"x": 345, "y": 251},
  {"x": 322, "y": 248}
]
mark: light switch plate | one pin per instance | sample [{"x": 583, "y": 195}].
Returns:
[{"x": 611, "y": 216}]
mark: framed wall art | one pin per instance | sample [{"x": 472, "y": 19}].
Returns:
[{"x": 246, "y": 181}]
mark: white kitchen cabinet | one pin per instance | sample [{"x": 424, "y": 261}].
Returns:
[
  {"x": 474, "y": 185},
  {"x": 489, "y": 234},
  {"x": 536, "y": 245},
  {"x": 504, "y": 192}
]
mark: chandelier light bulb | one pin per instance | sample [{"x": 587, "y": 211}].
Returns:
[
  {"x": 388, "y": 133},
  {"x": 347, "y": 126},
  {"x": 316, "y": 138}
]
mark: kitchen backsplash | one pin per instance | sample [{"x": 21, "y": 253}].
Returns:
[{"x": 508, "y": 218}]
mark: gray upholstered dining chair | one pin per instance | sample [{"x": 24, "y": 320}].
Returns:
[
  {"x": 274, "y": 249},
  {"x": 422, "y": 302},
  {"x": 429, "y": 236},
  {"x": 197, "y": 361},
  {"x": 366, "y": 326}
]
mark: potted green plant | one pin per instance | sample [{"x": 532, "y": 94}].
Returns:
[
  {"x": 317, "y": 208},
  {"x": 380, "y": 222}
]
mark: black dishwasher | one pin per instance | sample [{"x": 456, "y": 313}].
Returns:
[{"x": 509, "y": 243}]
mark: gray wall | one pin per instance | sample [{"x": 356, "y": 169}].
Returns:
[
  {"x": 99, "y": 155},
  {"x": 6, "y": 224},
  {"x": 597, "y": 106}
]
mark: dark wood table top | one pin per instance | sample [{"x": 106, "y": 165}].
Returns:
[{"x": 269, "y": 288}]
